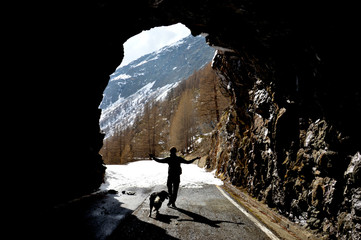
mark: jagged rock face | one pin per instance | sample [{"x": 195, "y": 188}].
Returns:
[
  {"x": 285, "y": 149},
  {"x": 290, "y": 68}
]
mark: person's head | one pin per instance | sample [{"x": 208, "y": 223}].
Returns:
[{"x": 173, "y": 151}]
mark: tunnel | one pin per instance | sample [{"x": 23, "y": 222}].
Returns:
[{"x": 287, "y": 63}]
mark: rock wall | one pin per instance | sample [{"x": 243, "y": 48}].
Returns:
[{"x": 285, "y": 150}]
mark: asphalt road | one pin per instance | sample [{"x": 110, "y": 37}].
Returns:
[{"x": 201, "y": 213}]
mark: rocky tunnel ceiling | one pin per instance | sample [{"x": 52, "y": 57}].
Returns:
[{"x": 290, "y": 63}]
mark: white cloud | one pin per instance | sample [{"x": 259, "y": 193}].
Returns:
[{"x": 152, "y": 40}]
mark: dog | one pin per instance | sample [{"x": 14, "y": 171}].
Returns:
[{"x": 156, "y": 199}]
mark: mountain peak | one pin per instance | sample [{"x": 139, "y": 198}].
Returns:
[{"x": 150, "y": 76}]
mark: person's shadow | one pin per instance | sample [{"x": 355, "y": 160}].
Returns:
[{"x": 201, "y": 219}]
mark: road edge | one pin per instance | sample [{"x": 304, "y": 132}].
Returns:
[
  {"x": 260, "y": 225},
  {"x": 273, "y": 221}
]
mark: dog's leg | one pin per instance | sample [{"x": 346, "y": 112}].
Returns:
[{"x": 150, "y": 210}]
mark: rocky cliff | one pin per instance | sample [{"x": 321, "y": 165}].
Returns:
[
  {"x": 280, "y": 144},
  {"x": 292, "y": 136}
]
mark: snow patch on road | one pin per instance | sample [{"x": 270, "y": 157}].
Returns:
[
  {"x": 139, "y": 178},
  {"x": 147, "y": 174}
]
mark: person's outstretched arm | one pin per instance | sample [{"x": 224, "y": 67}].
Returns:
[
  {"x": 189, "y": 161},
  {"x": 164, "y": 160}
]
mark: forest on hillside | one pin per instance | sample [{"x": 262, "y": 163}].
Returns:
[{"x": 189, "y": 112}]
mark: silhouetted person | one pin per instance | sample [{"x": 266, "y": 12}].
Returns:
[{"x": 174, "y": 172}]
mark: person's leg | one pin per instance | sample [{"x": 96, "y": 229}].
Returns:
[
  {"x": 170, "y": 190},
  {"x": 175, "y": 190}
]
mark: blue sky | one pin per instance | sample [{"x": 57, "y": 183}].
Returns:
[{"x": 151, "y": 40}]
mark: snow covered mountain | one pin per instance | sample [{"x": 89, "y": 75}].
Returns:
[{"x": 150, "y": 77}]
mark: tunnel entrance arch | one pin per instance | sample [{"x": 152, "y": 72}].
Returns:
[
  {"x": 144, "y": 96},
  {"x": 274, "y": 43},
  {"x": 87, "y": 48}
]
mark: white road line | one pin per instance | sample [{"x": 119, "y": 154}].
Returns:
[{"x": 253, "y": 219}]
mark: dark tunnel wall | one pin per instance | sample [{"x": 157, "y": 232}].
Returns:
[{"x": 301, "y": 56}]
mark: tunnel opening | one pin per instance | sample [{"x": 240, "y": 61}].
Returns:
[
  {"x": 293, "y": 82},
  {"x": 161, "y": 95}
]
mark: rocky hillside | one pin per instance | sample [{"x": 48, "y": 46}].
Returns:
[
  {"x": 286, "y": 153},
  {"x": 149, "y": 78},
  {"x": 185, "y": 118}
]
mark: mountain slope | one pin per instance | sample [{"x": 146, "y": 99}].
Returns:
[{"x": 150, "y": 77}]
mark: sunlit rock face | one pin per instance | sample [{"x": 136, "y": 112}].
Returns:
[{"x": 291, "y": 136}]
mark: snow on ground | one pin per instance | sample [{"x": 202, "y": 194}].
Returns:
[
  {"x": 147, "y": 174},
  {"x": 141, "y": 178}
]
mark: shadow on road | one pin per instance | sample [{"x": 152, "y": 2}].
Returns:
[
  {"x": 90, "y": 218},
  {"x": 201, "y": 219},
  {"x": 98, "y": 218},
  {"x": 165, "y": 218},
  {"x": 134, "y": 228}
]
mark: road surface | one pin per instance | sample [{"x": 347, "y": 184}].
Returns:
[{"x": 201, "y": 213}]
